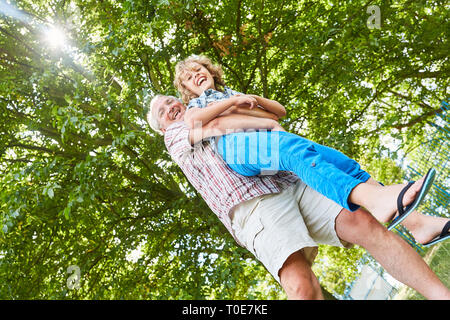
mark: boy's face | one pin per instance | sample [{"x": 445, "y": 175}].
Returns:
[
  {"x": 168, "y": 110},
  {"x": 196, "y": 78}
]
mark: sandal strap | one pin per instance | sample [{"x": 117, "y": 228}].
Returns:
[
  {"x": 445, "y": 230},
  {"x": 400, "y": 207}
]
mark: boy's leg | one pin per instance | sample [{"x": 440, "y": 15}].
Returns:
[
  {"x": 328, "y": 223},
  {"x": 330, "y": 155},
  {"x": 250, "y": 152},
  {"x": 342, "y": 162},
  {"x": 398, "y": 258},
  {"x": 423, "y": 228},
  {"x": 381, "y": 201}
]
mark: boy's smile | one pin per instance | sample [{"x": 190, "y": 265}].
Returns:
[
  {"x": 200, "y": 80},
  {"x": 197, "y": 79}
]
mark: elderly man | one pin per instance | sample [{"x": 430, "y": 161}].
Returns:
[{"x": 280, "y": 219}]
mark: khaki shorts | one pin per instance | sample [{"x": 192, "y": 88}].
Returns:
[{"x": 274, "y": 226}]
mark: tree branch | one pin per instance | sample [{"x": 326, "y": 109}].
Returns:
[
  {"x": 422, "y": 104},
  {"x": 418, "y": 119}
]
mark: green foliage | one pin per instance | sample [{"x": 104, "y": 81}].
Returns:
[
  {"x": 433, "y": 152},
  {"x": 85, "y": 182},
  {"x": 336, "y": 267}
]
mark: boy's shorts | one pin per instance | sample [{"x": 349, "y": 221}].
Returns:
[{"x": 274, "y": 226}]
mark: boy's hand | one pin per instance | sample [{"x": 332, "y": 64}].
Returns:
[{"x": 245, "y": 101}]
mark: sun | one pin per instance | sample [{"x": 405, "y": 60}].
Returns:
[{"x": 55, "y": 37}]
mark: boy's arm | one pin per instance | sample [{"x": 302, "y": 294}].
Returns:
[
  {"x": 242, "y": 104},
  {"x": 204, "y": 115},
  {"x": 270, "y": 105},
  {"x": 231, "y": 123},
  {"x": 254, "y": 112}
]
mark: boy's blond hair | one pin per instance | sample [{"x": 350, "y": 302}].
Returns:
[{"x": 182, "y": 66}]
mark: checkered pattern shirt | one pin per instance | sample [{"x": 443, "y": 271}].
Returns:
[{"x": 220, "y": 187}]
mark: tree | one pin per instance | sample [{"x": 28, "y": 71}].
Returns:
[{"x": 84, "y": 181}]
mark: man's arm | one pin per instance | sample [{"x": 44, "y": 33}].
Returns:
[
  {"x": 243, "y": 104},
  {"x": 231, "y": 123}
]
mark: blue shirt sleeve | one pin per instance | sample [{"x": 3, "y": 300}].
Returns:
[
  {"x": 232, "y": 92},
  {"x": 196, "y": 102}
]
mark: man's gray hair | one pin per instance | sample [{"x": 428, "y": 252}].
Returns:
[{"x": 151, "y": 119}]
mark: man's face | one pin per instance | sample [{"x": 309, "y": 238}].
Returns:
[
  {"x": 196, "y": 78},
  {"x": 168, "y": 110}
]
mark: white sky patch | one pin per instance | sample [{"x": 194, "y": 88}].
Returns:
[
  {"x": 157, "y": 45},
  {"x": 366, "y": 84},
  {"x": 393, "y": 146},
  {"x": 135, "y": 254}
]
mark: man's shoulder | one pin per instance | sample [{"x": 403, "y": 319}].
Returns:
[
  {"x": 176, "y": 129},
  {"x": 177, "y": 125}
]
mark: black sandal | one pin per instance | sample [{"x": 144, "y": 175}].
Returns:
[
  {"x": 403, "y": 212},
  {"x": 445, "y": 234}
]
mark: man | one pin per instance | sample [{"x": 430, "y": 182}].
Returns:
[{"x": 280, "y": 219}]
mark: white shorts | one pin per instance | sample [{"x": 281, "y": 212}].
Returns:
[{"x": 274, "y": 226}]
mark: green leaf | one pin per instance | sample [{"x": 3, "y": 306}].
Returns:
[{"x": 66, "y": 212}]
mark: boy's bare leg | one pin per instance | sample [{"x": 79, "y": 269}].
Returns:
[
  {"x": 396, "y": 256},
  {"x": 381, "y": 201},
  {"x": 423, "y": 228}
]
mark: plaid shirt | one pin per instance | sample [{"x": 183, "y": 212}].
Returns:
[{"x": 220, "y": 187}]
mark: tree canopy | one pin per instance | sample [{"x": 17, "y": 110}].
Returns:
[{"x": 84, "y": 182}]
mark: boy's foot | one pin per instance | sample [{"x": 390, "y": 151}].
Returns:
[
  {"x": 405, "y": 209},
  {"x": 437, "y": 238},
  {"x": 385, "y": 208}
]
